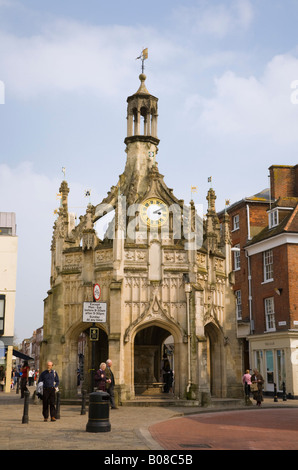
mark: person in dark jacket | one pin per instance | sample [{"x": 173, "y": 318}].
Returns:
[
  {"x": 50, "y": 381},
  {"x": 110, "y": 385},
  {"x": 24, "y": 378},
  {"x": 256, "y": 378},
  {"x": 100, "y": 378}
]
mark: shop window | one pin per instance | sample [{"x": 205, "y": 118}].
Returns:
[
  {"x": 281, "y": 367},
  {"x": 2, "y": 313}
]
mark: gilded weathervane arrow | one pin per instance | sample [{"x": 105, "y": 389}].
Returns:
[{"x": 143, "y": 57}]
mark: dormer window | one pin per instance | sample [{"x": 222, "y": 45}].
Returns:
[{"x": 273, "y": 218}]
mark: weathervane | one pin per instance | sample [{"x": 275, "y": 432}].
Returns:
[
  {"x": 143, "y": 57},
  {"x": 193, "y": 189}
]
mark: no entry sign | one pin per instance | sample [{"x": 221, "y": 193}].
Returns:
[{"x": 96, "y": 292}]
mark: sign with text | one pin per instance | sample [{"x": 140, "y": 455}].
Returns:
[
  {"x": 94, "y": 334},
  {"x": 95, "y": 312}
]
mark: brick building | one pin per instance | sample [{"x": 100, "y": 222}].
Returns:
[
  {"x": 247, "y": 218},
  {"x": 273, "y": 258}
]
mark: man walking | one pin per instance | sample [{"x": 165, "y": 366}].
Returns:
[
  {"x": 50, "y": 381},
  {"x": 110, "y": 385}
]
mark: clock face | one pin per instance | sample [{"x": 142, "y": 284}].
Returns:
[{"x": 154, "y": 212}]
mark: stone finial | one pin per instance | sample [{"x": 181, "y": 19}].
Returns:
[{"x": 142, "y": 88}]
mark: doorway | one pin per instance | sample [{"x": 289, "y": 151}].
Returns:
[
  {"x": 84, "y": 357},
  {"x": 148, "y": 355}
]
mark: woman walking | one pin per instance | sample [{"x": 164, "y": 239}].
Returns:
[{"x": 258, "y": 380}]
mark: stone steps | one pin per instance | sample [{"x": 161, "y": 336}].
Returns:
[{"x": 162, "y": 400}]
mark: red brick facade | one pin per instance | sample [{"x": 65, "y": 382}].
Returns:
[
  {"x": 273, "y": 256},
  {"x": 267, "y": 278},
  {"x": 253, "y": 217},
  {"x": 283, "y": 181},
  {"x": 277, "y": 289}
]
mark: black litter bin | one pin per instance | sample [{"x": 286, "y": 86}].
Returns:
[{"x": 98, "y": 412}]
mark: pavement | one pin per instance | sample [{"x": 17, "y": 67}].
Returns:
[{"x": 273, "y": 426}]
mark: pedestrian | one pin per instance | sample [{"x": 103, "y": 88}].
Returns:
[
  {"x": 246, "y": 380},
  {"x": 2, "y": 378},
  {"x": 24, "y": 378},
  {"x": 50, "y": 380},
  {"x": 257, "y": 382},
  {"x": 30, "y": 377},
  {"x": 14, "y": 376},
  {"x": 100, "y": 377},
  {"x": 36, "y": 374},
  {"x": 110, "y": 385},
  {"x": 167, "y": 375}
]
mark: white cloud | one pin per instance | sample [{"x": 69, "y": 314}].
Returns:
[
  {"x": 32, "y": 196},
  {"x": 249, "y": 107},
  {"x": 216, "y": 19},
  {"x": 67, "y": 56}
]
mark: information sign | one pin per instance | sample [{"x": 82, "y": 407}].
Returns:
[{"x": 94, "y": 312}]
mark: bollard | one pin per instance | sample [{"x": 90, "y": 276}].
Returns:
[
  {"x": 83, "y": 409},
  {"x": 284, "y": 395},
  {"x": 275, "y": 393},
  {"x": 58, "y": 405},
  {"x": 25, "y": 418},
  {"x": 99, "y": 406}
]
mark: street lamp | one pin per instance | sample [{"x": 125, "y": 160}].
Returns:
[{"x": 187, "y": 290}]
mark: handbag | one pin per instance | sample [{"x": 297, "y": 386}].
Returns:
[
  {"x": 39, "y": 389},
  {"x": 56, "y": 388},
  {"x": 254, "y": 387}
]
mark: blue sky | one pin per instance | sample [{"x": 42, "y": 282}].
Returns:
[{"x": 222, "y": 71}]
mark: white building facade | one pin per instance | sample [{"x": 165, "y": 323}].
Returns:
[{"x": 8, "y": 276}]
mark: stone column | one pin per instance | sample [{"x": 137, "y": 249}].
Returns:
[
  {"x": 8, "y": 368},
  {"x": 115, "y": 349},
  {"x": 129, "y": 125},
  {"x": 137, "y": 123}
]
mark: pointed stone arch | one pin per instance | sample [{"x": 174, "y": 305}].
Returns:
[
  {"x": 147, "y": 339},
  {"x": 70, "y": 355},
  {"x": 215, "y": 353}
]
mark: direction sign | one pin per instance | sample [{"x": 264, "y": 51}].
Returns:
[{"x": 95, "y": 312}]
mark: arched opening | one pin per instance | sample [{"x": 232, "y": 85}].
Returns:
[
  {"x": 149, "y": 349},
  {"x": 90, "y": 353},
  {"x": 214, "y": 359},
  {"x": 146, "y": 121}
]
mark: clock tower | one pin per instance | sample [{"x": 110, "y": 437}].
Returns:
[
  {"x": 141, "y": 141},
  {"x": 164, "y": 274}
]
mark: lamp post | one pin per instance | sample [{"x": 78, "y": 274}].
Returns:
[{"x": 187, "y": 290}]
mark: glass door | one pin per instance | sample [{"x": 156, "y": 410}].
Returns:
[{"x": 269, "y": 379}]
